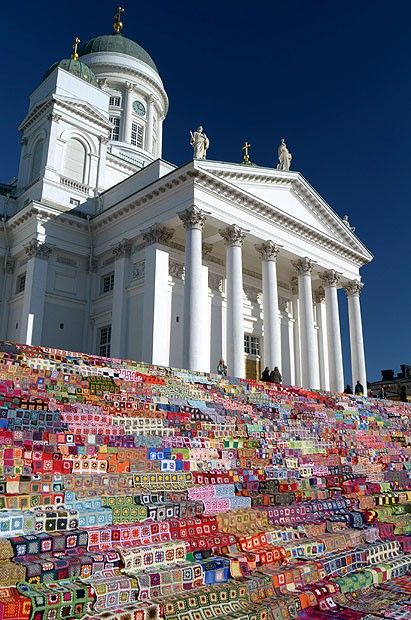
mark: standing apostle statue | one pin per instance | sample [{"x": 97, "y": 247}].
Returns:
[
  {"x": 284, "y": 157},
  {"x": 200, "y": 143}
]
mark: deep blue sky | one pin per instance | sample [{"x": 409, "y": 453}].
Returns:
[{"x": 332, "y": 77}]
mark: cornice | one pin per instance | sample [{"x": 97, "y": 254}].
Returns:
[
  {"x": 104, "y": 67},
  {"x": 37, "y": 112},
  {"x": 84, "y": 110},
  {"x": 39, "y": 211},
  {"x": 243, "y": 200}
]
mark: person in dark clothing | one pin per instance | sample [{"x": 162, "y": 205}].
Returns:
[
  {"x": 266, "y": 374},
  {"x": 348, "y": 389},
  {"x": 275, "y": 376},
  {"x": 382, "y": 393},
  {"x": 403, "y": 394},
  {"x": 359, "y": 389}
]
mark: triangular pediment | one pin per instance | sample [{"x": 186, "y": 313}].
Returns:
[
  {"x": 83, "y": 109},
  {"x": 289, "y": 194}
]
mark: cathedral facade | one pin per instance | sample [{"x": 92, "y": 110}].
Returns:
[{"x": 109, "y": 249}]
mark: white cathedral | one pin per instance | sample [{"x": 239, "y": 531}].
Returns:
[{"x": 111, "y": 250}]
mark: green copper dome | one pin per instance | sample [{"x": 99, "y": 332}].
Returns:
[
  {"x": 76, "y": 67},
  {"x": 117, "y": 43}
]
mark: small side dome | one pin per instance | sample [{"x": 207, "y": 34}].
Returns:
[
  {"x": 77, "y": 68},
  {"x": 117, "y": 43}
]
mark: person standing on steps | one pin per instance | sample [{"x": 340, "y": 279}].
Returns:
[
  {"x": 266, "y": 374},
  {"x": 275, "y": 376},
  {"x": 359, "y": 389}
]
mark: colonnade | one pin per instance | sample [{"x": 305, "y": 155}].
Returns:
[{"x": 309, "y": 372}]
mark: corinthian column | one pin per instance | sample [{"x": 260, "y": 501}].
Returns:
[
  {"x": 32, "y": 314},
  {"x": 272, "y": 327},
  {"x": 234, "y": 237},
  {"x": 330, "y": 282},
  {"x": 309, "y": 359},
  {"x": 193, "y": 351},
  {"x": 358, "y": 369},
  {"x": 119, "y": 312}
]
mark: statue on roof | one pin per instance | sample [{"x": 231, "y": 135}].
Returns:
[
  {"x": 347, "y": 223},
  {"x": 284, "y": 157},
  {"x": 200, "y": 143}
]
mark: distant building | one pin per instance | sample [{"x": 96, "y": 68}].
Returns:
[{"x": 393, "y": 382}]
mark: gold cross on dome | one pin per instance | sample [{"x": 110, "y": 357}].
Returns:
[
  {"x": 118, "y": 24},
  {"x": 74, "y": 55},
  {"x": 246, "y": 157}
]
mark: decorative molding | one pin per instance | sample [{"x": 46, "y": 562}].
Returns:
[
  {"x": 268, "y": 250},
  {"x": 330, "y": 277},
  {"x": 176, "y": 269},
  {"x": 122, "y": 249},
  {"x": 92, "y": 264},
  {"x": 10, "y": 263},
  {"x": 354, "y": 287},
  {"x": 138, "y": 270},
  {"x": 37, "y": 249},
  {"x": 103, "y": 139},
  {"x": 252, "y": 293},
  {"x": 304, "y": 266},
  {"x": 193, "y": 218},
  {"x": 233, "y": 235},
  {"x": 215, "y": 282},
  {"x": 53, "y": 116},
  {"x": 294, "y": 285},
  {"x": 283, "y": 304},
  {"x": 157, "y": 234},
  {"x": 319, "y": 295},
  {"x": 65, "y": 260},
  {"x": 207, "y": 249}
]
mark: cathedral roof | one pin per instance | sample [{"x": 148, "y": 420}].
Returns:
[
  {"x": 76, "y": 67},
  {"x": 117, "y": 43}
]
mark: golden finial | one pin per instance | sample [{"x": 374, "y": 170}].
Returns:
[
  {"x": 118, "y": 24},
  {"x": 74, "y": 55},
  {"x": 246, "y": 157}
]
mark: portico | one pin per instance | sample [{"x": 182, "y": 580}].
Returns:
[{"x": 250, "y": 279}]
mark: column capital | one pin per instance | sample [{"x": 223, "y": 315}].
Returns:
[
  {"x": 268, "y": 250},
  {"x": 129, "y": 87},
  {"x": 294, "y": 285},
  {"x": 157, "y": 234},
  {"x": 330, "y": 277},
  {"x": 319, "y": 295},
  {"x": 38, "y": 250},
  {"x": 353, "y": 287},
  {"x": 303, "y": 266},
  {"x": 233, "y": 235},
  {"x": 122, "y": 249},
  {"x": 193, "y": 217}
]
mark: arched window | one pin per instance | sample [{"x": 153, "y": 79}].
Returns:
[
  {"x": 75, "y": 160},
  {"x": 36, "y": 160}
]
